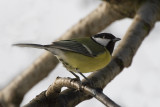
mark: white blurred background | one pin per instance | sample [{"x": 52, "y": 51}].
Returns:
[{"x": 43, "y": 21}]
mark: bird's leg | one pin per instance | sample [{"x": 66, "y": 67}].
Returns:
[
  {"x": 89, "y": 81},
  {"x": 82, "y": 74},
  {"x": 77, "y": 77}
]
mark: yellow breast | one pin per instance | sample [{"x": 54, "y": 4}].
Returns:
[{"x": 84, "y": 63}]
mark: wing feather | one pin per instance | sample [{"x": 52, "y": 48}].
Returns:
[{"x": 72, "y": 46}]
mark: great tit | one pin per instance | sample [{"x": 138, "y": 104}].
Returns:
[{"x": 81, "y": 55}]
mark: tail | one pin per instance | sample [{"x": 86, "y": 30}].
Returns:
[{"x": 30, "y": 45}]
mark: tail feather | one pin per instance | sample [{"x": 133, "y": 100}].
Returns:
[{"x": 30, "y": 45}]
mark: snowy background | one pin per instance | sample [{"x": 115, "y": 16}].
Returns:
[{"x": 43, "y": 21}]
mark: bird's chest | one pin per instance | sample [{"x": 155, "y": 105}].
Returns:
[{"x": 84, "y": 63}]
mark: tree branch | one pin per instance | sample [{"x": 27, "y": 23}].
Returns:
[{"x": 54, "y": 90}]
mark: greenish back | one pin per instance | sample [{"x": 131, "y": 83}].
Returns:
[{"x": 95, "y": 48}]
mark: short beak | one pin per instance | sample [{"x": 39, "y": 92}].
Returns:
[{"x": 116, "y": 39}]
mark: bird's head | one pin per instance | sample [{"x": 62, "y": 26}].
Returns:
[{"x": 106, "y": 39}]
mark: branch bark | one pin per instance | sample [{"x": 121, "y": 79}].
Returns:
[{"x": 51, "y": 94}]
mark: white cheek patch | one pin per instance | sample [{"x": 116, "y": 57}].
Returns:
[{"x": 102, "y": 41}]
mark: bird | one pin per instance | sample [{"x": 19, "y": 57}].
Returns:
[{"x": 81, "y": 55}]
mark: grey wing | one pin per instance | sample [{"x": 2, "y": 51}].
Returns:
[{"x": 72, "y": 46}]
